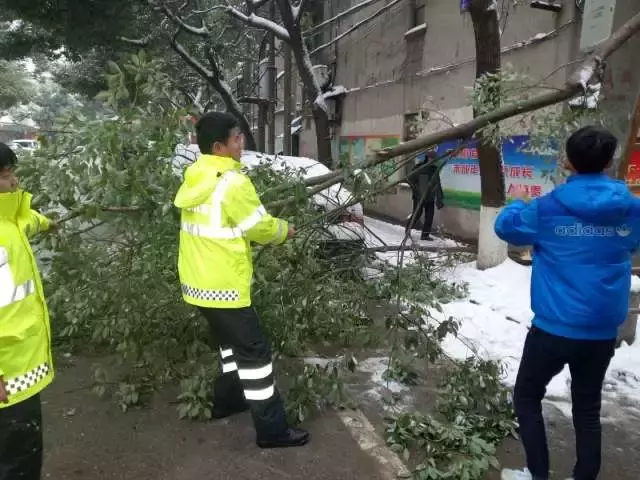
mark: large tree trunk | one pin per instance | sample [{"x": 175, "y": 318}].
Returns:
[
  {"x": 311, "y": 87},
  {"x": 486, "y": 26}
]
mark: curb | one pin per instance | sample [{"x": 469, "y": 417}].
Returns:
[{"x": 361, "y": 429}]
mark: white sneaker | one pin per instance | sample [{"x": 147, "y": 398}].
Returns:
[{"x": 509, "y": 474}]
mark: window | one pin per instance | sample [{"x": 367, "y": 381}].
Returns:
[{"x": 418, "y": 13}]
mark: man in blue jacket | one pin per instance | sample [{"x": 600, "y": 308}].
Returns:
[{"x": 583, "y": 235}]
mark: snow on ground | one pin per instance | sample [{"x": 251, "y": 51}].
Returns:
[
  {"x": 495, "y": 317},
  {"x": 380, "y": 233}
]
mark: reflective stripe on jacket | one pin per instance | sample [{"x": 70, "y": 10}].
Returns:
[
  {"x": 25, "y": 335},
  {"x": 221, "y": 216}
]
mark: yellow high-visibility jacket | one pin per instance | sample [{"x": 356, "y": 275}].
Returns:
[
  {"x": 221, "y": 216},
  {"x": 25, "y": 335}
]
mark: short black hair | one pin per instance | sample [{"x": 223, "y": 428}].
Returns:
[
  {"x": 214, "y": 127},
  {"x": 8, "y": 158},
  {"x": 591, "y": 149}
]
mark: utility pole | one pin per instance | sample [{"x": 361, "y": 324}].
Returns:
[
  {"x": 288, "y": 84},
  {"x": 273, "y": 92}
]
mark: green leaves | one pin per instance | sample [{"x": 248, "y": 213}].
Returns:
[{"x": 473, "y": 414}]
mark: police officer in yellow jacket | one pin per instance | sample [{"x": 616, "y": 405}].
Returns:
[
  {"x": 221, "y": 216},
  {"x": 26, "y": 366}
]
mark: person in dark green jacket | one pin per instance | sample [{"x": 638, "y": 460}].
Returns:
[{"x": 426, "y": 193}]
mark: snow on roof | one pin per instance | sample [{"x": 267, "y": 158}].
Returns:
[{"x": 333, "y": 196}]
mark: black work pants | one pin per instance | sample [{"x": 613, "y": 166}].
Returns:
[
  {"x": 247, "y": 371},
  {"x": 21, "y": 440},
  {"x": 427, "y": 208},
  {"x": 545, "y": 356}
]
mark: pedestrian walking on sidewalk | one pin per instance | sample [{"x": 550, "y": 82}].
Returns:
[
  {"x": 26, "y": 365},
  {"x": 426, "y": 194},
  {"x": 221, "y": 216},
  {"x": 583, "y": 234}
]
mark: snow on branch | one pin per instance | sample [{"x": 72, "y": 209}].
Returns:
[
  {"x": 202, "y": 31},
  {"x": 140, "y": 42},
  {"x": 255, "y": 4},
  {"x": 190, "y": 59},
  {"x": 298, "y": 10},
  {"x": 260, "y": 22}
]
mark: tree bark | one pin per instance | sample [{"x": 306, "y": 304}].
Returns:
[
  {"x": 311, "y": 87},
  {"x": 486, "y": 26},
  {"x": 273, "y": 92},
  {"x": 288, "y": 83}
]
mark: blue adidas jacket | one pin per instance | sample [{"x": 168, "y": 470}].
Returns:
[{"x": 583, "y": 234}]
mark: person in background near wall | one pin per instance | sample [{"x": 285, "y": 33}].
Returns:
[
  {"x": 221, "y": 216},
  {"x": 26, "y": 364},
  {"x": 426, "y": 193},
  {"x": 584, "y": 234}
]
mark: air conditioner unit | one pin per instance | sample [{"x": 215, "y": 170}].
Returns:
[{"x": 321, "y": 74}]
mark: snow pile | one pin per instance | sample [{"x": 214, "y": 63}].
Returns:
[{"x": 494, "y": 322}]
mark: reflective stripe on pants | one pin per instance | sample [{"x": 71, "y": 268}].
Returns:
[{"x": 247, "y": 368}]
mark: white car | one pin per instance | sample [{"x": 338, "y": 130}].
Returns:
[
  {"x": 345, "y": 230},
  {"x": 25, "y": 145}
]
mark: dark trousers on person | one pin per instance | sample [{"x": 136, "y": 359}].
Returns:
[
  {"x": 545, "y": 356},
  {"x": 427, "y": 208},
  {"x": 247, "y": 371},
  {"x": 21, "y": 440}
]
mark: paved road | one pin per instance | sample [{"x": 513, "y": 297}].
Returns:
[{"x": 89, "y": 438}]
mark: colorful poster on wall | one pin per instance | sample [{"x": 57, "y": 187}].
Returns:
[
  {"x": 460, "y": 176},
  {"x": 355, "y": 150}
]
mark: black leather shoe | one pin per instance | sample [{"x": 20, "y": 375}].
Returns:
[
  {"x": 293, "y": 437},
  {"x": 220, "y": 412}
]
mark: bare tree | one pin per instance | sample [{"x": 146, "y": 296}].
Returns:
[
  {"x": 486, "y": 26},
  {"x": 212, "y": 73},
  {"x": 291, "y": 33}
]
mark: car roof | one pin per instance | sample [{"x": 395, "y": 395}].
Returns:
[{"x": 334, "y": 195}]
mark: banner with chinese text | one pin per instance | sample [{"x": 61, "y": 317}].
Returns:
[{"x": 460, "y": 177}]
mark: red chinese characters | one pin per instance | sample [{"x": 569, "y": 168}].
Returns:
[
  {"x": 532, "y": 191},
  {"x": 518, "y": 171}
]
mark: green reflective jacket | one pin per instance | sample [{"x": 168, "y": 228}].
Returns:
[
  {"x": 221, "y": 216},
  {"x": 25, "y": 336}
]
